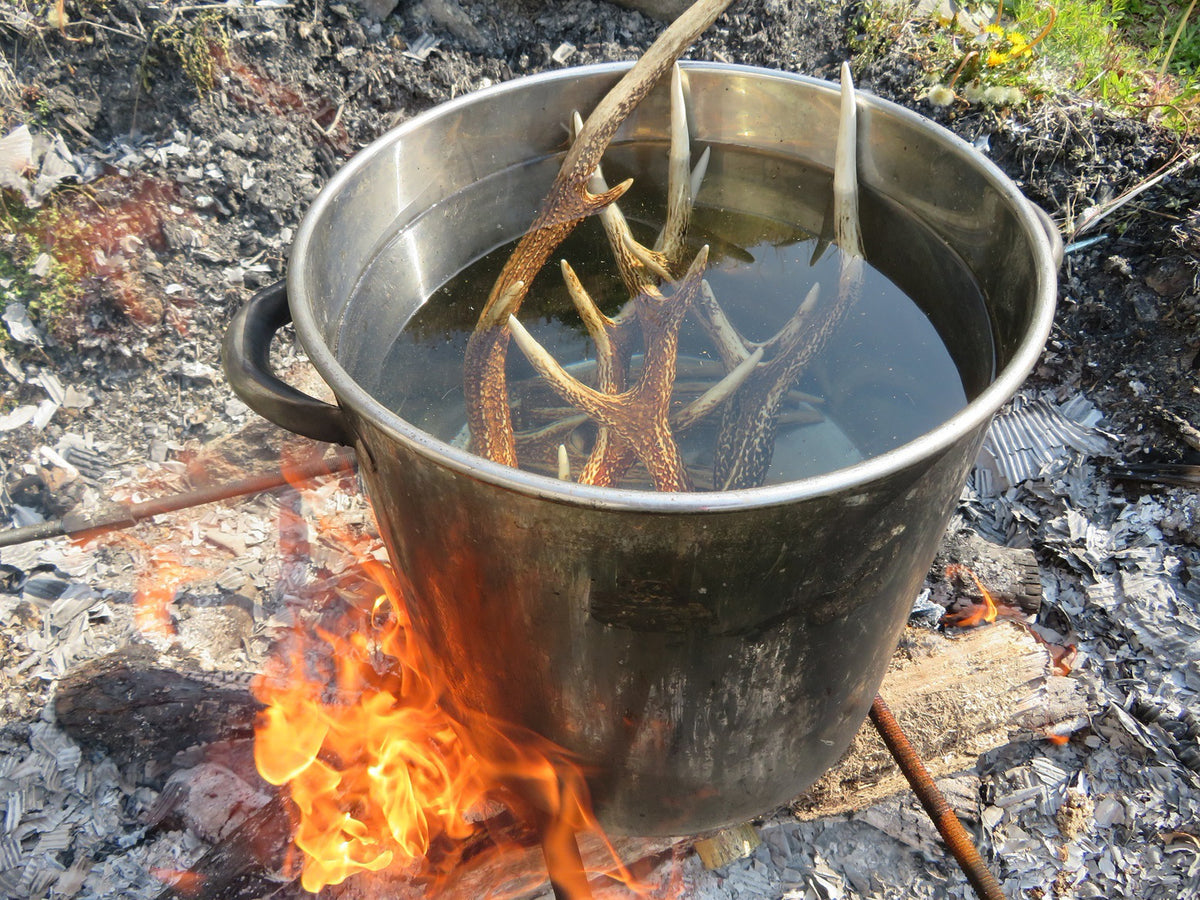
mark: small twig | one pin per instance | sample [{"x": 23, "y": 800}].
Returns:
[
  {"x": 204, "y": 7},
  {"x": 1176, "y": 165},
  {"x": 89, "y": 24},
  {"x": 1189, "y": 432},
  {"x": 337, "y": 117}
]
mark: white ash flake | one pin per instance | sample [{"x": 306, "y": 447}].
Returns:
[
  {"x": 66, "y": 820},
  {"x": 1032, "y": 437}
]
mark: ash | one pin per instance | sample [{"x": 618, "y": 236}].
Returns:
[{"x": 119, "y": 397}]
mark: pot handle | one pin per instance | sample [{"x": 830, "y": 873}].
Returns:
[
  {"x": 247, "y": 362},
  {"x": 1052, "y": 233}
]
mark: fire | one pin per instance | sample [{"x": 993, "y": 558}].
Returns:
[
  {"x": 355, "y": 727},
  {"x": 161, "y": 573},
  {"x": 373, "y": 766},
  {"x": 985, "y": 612},
  {"x": 184, "y": 883}
]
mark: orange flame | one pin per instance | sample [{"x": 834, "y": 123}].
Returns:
[
  {"x": 985, "y": 612},
  {"x": 355, "y": 728},
  {"x": 377, "y": 779},
  {"x": 185, "y": 883},
  {"x": 159, "y": 579}
]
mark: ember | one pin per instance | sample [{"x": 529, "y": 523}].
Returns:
[
  {"x": 984, "y": 612},
  {"x": 185, "y": 883}
]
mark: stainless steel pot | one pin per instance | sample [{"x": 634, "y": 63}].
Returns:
[{"x": 706, "y": 655}]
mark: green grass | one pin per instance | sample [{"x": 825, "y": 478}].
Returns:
[
  {"x": 1125, "y": 54},
  {"x": 1140, "y": 57},
  {"x": 1121, "y": 52},
  {"x": 1170, "y": 29},
  {"x": 53, "y": 298}
]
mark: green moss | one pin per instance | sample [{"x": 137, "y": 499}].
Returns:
[
  {"x": 52, "y": 298},
  {"x": 196, "y": 45}
]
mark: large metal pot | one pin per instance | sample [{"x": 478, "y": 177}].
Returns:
[{"x": 706, "y": 655}]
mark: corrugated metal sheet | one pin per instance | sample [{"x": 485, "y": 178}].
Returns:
[{"x": 1031, "y": 436}]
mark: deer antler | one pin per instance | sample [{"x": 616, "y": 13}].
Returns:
[
  {"x": 611, "y": 456},
  {"x": 639, "y": 416},
  {"x": 746, "y": 441},
  {"x": 568, "y": 201}
]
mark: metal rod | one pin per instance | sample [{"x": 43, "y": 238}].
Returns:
[
  {"x": 957, "y": 840},
  {"x": 39, "y": 531},
  {"x": 126, "y": 515}
]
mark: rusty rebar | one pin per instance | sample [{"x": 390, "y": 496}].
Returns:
[
  {"x": 90, "y": 523},
  {"x": 961, "y": 847}
]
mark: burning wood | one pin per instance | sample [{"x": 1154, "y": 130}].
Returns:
[
  {"x": 957, "y": 699},
  {"x": 984, "y": 612},
  {"x": 381, "y": 774}
]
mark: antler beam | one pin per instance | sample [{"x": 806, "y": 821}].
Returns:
[{"x": 567, "y": 203}]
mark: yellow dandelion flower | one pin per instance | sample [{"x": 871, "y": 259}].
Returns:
[{"x": 996, "y": 58}]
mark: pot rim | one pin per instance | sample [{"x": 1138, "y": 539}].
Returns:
[{"x": 975, "y": 415}]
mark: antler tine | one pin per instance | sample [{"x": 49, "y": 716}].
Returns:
[
  {"x": 699, "y": 171},
  {"x": 610, "y": 374},
  {"x": 612, "y": 356},
  {"x": 616, "y": 229},
  {"x": 653, "y": 260},
  {"x": 730, "y": 344},
  {"x": 639, "y": 416},
  {"x": 717, "y": 394},
  {"x": 845, "y": 174},
  {"x": 568, "y": 201},
  {"x": 679, "y": 181},
  {"x": 746, "y": 441},
  {"x": 633, "y": 258}
]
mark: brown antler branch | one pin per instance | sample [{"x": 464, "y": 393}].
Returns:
[
  {"x": 567, "y": 203},
  {"x": 640, "y": 416}
]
